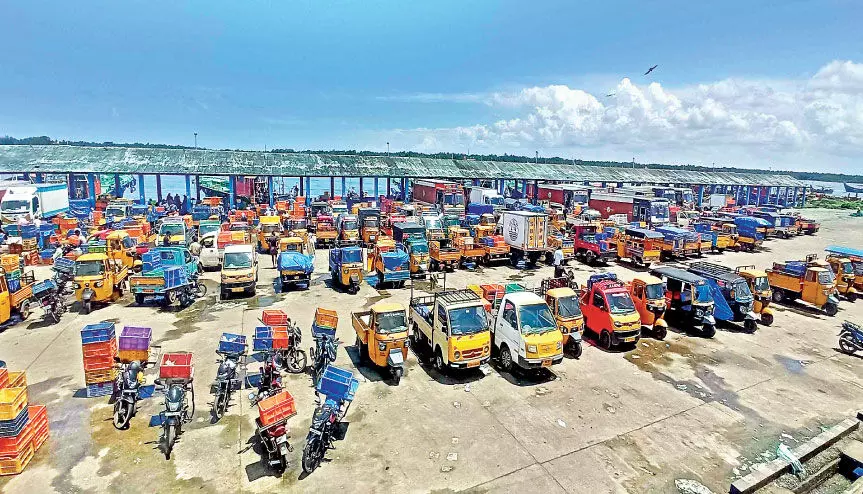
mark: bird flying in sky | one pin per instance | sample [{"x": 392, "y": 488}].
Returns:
[
  {"x": 651, "y": 69},
  {"x": 609, "y": 95}
]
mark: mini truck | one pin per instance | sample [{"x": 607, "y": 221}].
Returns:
[
  {"x": 239, "y": 270},
  {"x": 295, "y": 263},
  {"x": 591, "y": 244},
  {"x": 452, "y": 325},
  {"x": 494, "y": 246},
  {"x": 524, "y": 332},
  {"x": 157, "y": 279},
  {"x": 391, "y": 262},
  {"x": 370, "y": 225},
  {"x": 639, "y": 246},
  {"x": 382, "y": 334},
  {"x": 609, "y": 311},
  {"x": 525, "y": 233},
  {"x": 812, "y": 284},
  {"x": 413, "y": 237}
]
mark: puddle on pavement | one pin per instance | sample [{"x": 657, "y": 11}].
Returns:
[{"x": 792, "y": 365}]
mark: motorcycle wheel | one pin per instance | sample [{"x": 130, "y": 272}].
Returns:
[
  {"x": 847, "y": 344},
  {"x": 221, "y": 405},
  {"x": 312, "y": 455},
  {"x": 168, "y": 439},
  {"x": 86, "y": 307},
  {"x": 201, "y": 290},
  {"x": 296, "y": 361},
  {"x": 55, "y": 313},
  {"x": 121, "y": 415},
  {"x": 397, "y": 375}
]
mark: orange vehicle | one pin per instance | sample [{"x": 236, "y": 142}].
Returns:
[
  {"x": 471, "y": 252},
  {"x": 326, "y": 233},
  {"x": 609, "y": 311}
]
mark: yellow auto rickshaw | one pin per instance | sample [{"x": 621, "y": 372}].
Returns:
[
  {"x": 648, "y": 295},
  {"x": 120, "y": 248},
  {"x": 98, "y": 279},
  {"x": 346, "y": 267}
]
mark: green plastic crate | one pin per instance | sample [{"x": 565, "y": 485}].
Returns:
[{"x": 514, "y": 287}]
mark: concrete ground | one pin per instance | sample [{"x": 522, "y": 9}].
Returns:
[{"x": 637, "y": 420}]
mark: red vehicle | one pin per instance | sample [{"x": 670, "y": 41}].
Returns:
[
  {"x": 592, "y": 245},
  {"x": 609, "y": 311},
  {"x": 438, "y": 192},
  {"x": 569, "y": 195}
]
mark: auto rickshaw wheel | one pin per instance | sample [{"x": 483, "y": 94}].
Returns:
[
  {"x": 766, "y": 319},
  {"x": 86, "y": 307},
  {"x": 750, "y": 325},
  {"x": 851, "y": 297},
  {"x": 659, "y": 332},
  {"x": 360, "y": 348},
  {"x": 831, "y": 309},
  {"x": 397, "y": 375},
  {"x": 708, "y": 330},
  {"x": 605, "y": 340},
  {"x": 778, "y": 296},
  {"x": 847, "y": 345},
  {"x": 139, "y": 299},
  {"x": 575, "y": 349}
]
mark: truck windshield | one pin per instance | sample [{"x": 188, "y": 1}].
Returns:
[
  {"x": 422, "y": 248},
  {"x": 111, "y": 211},
  {"x": 238, "y": 260},
  {"x": 370, "y": 222},
  {"x": 702, "y": 294},
  {"x": 761, "y": 284},
  {"x": 432, "y": 223},
  {"x": 349, "y": 225},
  {"x": 352, "y": 255},
  {"x": 171, "y": 229},
  {"x": 847, "y": 267},
  {"x": 655, "y": 291},
  {"x": 826, "y": 277},
  {"x": 741, "y": 292},
  {"x": 620, "y": 303},
  {"x": 495, "y": 200},
  {"x": 89, "y": 268},
  {"x": 659, "y": 211},
  {"x": 536, "y": 318},
  {"x": 391, "y": 322},
  {"x": 15, "y": 205},
  {"x": 467, "y": 320},
  {"x": 568, "y": 307},
  {"x": 579, "y": 198},
  {"x": 205, "y": 229}
]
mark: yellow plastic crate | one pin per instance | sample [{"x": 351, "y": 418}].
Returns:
[
  {"x": 17, "y": 464},
  {"x": 127, "y": 356},
  {"x": 12, "y": 401},
  {"x": 100, "y": 376},
  {"x": 17, "y": 380}
]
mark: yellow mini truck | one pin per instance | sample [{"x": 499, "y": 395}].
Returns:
[
  {"x": 268, "y": 226},
  {"x": 98, "y": 279},
  {"x": 814, "y": 285},
  {"x": 452, "y": 326},
  {"x": 382, "y": 335}
]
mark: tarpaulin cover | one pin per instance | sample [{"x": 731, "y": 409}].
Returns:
[
  {"x": 395, "y": 259},
  {"x": 721, "y": 309},
  {"x": 294, "y": 261}
]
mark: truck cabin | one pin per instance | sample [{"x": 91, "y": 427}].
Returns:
[
  {"x": 653, "y": 211},
  {"x": 269, "y": 228},
  {"x": 237, "y": 257},
  {"x": 529, "y": 318},
  {"x": 116, "y": 211},
  {"x": 173, "y": 231},
  {"x": 612, "y": 297}
]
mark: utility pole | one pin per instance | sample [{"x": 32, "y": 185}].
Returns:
[
  {"x": 536, "y": 160},
  {"x": 388, "y": 149},
  {"x": 196, "y": 140}
]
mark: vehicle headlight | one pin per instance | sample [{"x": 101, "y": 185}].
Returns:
[
  {"x": 76, "y": 285},
  {"x": 559, "y": 345},
  {"x": 531, "y": 348},
  {"x": 485, "y": 350},
  {"x": 173, "y": 406},
  {"x": 617, "y": 324},
  {"x": 457, "y": 355},
  {"x": 382, "y": 346},
  {"x": 99, "y": 284}
]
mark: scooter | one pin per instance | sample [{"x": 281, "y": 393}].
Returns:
[
  {"x": 323, "y": 353},
  {"x": 851, "y": 338},
  {"x": 226, "y": 382},
  {"x": 177, "y": 411},
  {"x": 126, "y": 388}
]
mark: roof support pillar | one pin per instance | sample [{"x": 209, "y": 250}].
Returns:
[
  {"x": 535, "y": 191},
  {"x": 117, "y": 185},
  {"x": 376, "y": 188},
  {"x": 308, "y": 190},
  {"x": 158, "y": 187},
  {"x": 344, "y": 190},
  {"x": 232, "y": 191},
  {"x": 142, "y": 197},
  {"x": 38, "y": 178},
  {"x": 188, "y": 186},
  {"x": 270, "y": 190},
  {"x": 361, "y": 188},
  {"x": 389, "y": 187},
  {"x": 91, "y": 186},
  {"x": 198, "y": 187},
  {"x": 700, "y": 195},
  {"x": 794, "y": 199},
  {"x": 332, "y": 187},
  {"x": 803, "y": 199},
  {"x": 404, "y": 189},
  {"x": 301, "y": 186},
  {"x": 745, "y": 196}
]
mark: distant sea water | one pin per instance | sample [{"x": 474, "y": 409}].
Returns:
[
  {"x": 172, "y": 184},
  {"x": 838, "y": 187}
]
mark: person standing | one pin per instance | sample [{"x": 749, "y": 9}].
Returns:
[
  {"x": 195, "y": 247},
  {"x": 558, "y": 262},
  {"x": 273, "y": 244}
]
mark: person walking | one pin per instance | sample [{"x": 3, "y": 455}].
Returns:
[
  {"x": 558, "y": 262},
  {"x": 273, "y": 245}
]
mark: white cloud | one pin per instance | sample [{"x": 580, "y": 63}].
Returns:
[{"x": 743, "y": 122}]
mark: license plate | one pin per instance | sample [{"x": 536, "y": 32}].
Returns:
[
  {"x": 546, "y": 363},
  {"x": 149, "y": 291},
  {"x": 630, "y": 339},
  {"x": 237, "y": 289},
  {"x": 475, "y": 363}
]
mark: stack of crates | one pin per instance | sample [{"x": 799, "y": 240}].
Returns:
[
  {"x": 325, "y": 324},
  {"x": 135, "y": 344},
  {"x": 151, "y": 261},
  {"x": 23, "y": 427},
  {"x": 12, "y": 268},
  {"x": 99, "y": 346}
]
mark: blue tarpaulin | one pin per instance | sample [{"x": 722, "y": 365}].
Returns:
[
  {"x": 294, "y": 261},
  {"x": 395, "y": 259},
  {"x": 721, "y": 309}
]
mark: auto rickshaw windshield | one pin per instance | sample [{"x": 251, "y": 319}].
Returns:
[
  {"x": 620, "y": 303},
  {"x": 370, "y": 222},
  {"x": 391, "y": 322},
  {"x": 467, "y": 320},
  {"x": 568, "y": 307},
  {"x": 655, "y": 291},
  {"x": 352, "y": 255},
  {"x": 271, "y": 228},
  {"x": 171, "y": 229},
  {"x": 741, "y": 292},
  {"x": 536, "y": 318},
  {"x": 89, "y": 268},
  {"x": 112, "y": 211},
  {"x": 349, "y": 225},
  {"x": 761, "y": 284},
  {"x": 847, "y": 267},
  {"x": 826, "y": 278},
  {"x": 419, "y": 248},
  {"x": 238, "y": 260}
]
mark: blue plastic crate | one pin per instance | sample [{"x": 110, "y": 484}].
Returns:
[
  {"x": 12, "y": 230},
  {"x": 152, "y": 260},
  {"x": 263, "y": 339},
  {"x": 43, "y": 286},
  {"x": 319, "y": 331},
  {"x": 99, "y": 389},
  {"x": 97, "y": 333},
  {"x": 63, "y": 265},
  {"x": 11, "y": 428},
  {"x": 337, "y": 384},
  {"x": 14, "y": 285},
  {"x": 232, "y": 343},
  {"x": 29, "y": 231},
  {"x": 175, "y": 276}
]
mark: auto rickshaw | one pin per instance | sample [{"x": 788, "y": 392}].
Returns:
[
  {"x": 761, "y": 292},
  {"x": 98, "y": 279},
  {"x": 121, "y": 248},
  {"x": 346, "y": 267},
  {"x": 300, "y": 228},
  {"x": 843, "y": 268},
  {"x": 562, "y": 299},
  {"x": 268, "y": 226},
  {"x": 382, "y": 336},
  {"x": 688, "y": 297},
  {"x": 648, "y": 294}
]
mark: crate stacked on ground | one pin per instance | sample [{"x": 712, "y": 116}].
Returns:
[
  {"x": 134, "y": 343},
  {"x": 23, "y": 427},
  {"x": 99, "y": 347}
]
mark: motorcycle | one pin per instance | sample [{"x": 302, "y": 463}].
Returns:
[
  {"x": 851, "y": 338},
  {"x": 321, "y": 435},
  {"x": 226, "y": 383},
  {"x": 177, "y": 410},
  {"x": 126, "y": 388},
  {"x": 323, "y": 353},
  {"x": 199, "y": 289},
  {"x": 51, "y": 301},
  {"x": 274, "y": 438},
  {"x": 271, "y": 379},
  {"x": 294, "y": 359}
]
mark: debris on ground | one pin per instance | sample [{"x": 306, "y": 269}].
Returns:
[
  {"x": 689, "y": 486},
  {"x": 452, "y": 457},
  {"x": 561, "y": 423}
]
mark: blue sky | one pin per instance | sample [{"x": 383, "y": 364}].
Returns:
[{"x": 444, "y": 75}]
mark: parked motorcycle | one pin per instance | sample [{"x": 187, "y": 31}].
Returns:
[
  {"x": 179, "y": 393},
  {"x": 273, "y": 437},
  {"x": 126, "y": 388},
  {"x": 226, "y": 382},
  {"x": 321, "y": 436},
  {"x": 851, "y": 338},
  {"x": 293, "y": 358},
  {"x": 323, "y": 353},
  {"x": 50, "y": 298},
  {"x": 271, "y": 379}
]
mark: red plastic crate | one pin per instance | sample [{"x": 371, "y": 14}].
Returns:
[
  {"x": 277, "y": 407},
  {"x": 98, "y": 363},
  {"x": 176, "y": 366},
  {"x": 280, "y": 337},
  {"x": 11, "y": 447},
  {"x": 17, "y": 464},
  {"x": 100, "y": 349},
  {"x": 276, "y": 317},
  {"x": 4, "y": 377}
]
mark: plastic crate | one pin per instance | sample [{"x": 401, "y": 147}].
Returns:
[
  {"x": 175, "y": 276},
  {"x": 326, "y": 318},
  {"x": 17, "y": 464},
  {"x": 11, "y": 447},
  {"x": 103, "y": 349},
  {"x": 275, "y": 408},
  {"x": 12, "y": 401},
  {"x": 263, "y": 339},
  {"x": 98, "y": 362},
  {"x": 13, "y": 274},
  {"x": 11, "y": 428},
  {"x": 100, "y": 376},
  {"x": 492, "y": 292},
  {"x": 232, "y": 343},
  {"x": 337, "y": 384},
  {"x": 127, "y": 356},
  {"x": 97, "y": 333},
  {"x": 280, "y": 337},
  {"x": 275, "y": 317},
  {"x": 176, "y": 365},
  {"x": 64, "y": 265},
  {"x": 43, "y": 287},
  {"x": 17, "y": 380},
  {"x": 96, "y": 390},
  {"x": 514, "y": 287},
  {"x": 135, "y": 338},
  {"x": 4, "y": 377},
  {"x": 320, "y": 331}
]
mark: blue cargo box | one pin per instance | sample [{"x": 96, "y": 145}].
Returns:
[
  {"x": 64, "y": 265},
  {"x": 318, "y": 331},
  {"x": 175, "y": 276},
  {"x": 97, "y": 333},
  {"x": 337, "y": 384},
  {"x": 263, "y": 339},
  {"x": 43, "y": 287},
  {"x": 232, "y": 343}
]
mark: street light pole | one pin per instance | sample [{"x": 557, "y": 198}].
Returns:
[
  {"x": 196, "y": 140},
  {"x": 388, "y": 149}
]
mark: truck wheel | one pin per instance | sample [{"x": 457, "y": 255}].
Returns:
[
  {"x": 360, "y": 348},
  {"x": 139, "y": 299},
  {"x": 590, "y": 257},
  {"x": 766, "y": 319},
  {"x": 486, "y": 260},
  {"x": 438, "y": 361},
  {"x": 24, "y": 309},
  {"x": 223, "y": 295},
  {"x": 831, "y": 309},
  {"x": 605, "y": 340},
  {"x": 778, "y": 296},
  {"x": 505, "y": 358}
]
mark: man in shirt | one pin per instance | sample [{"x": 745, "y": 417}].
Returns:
[
  {"x": 558, "y": 262},
  {"x": 195, "y": 247}
]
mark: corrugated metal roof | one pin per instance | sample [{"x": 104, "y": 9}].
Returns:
[{"x": 74, "y": 159}]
